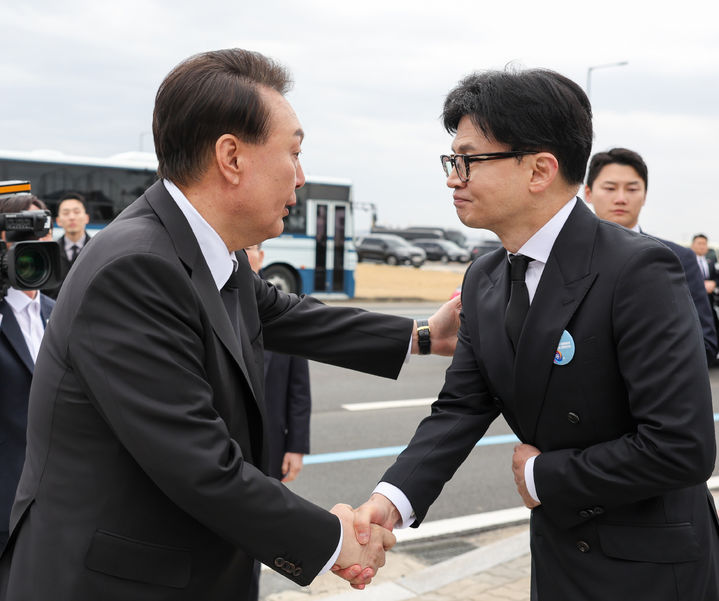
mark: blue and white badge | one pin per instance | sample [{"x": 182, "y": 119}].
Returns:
[{"x": 565, "y": 350}]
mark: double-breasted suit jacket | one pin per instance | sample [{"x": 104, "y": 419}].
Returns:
[
  {"x": 625, "y": 427},
  {"x": 144, "y": 475},
  {"x": 16, "y": 369}
]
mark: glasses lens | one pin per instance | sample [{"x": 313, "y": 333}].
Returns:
[
  {"x": 461, "y": 166},
  {"x": 446, "y": 164}
]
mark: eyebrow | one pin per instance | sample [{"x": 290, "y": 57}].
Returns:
[
  {"x": 634, "y": 182},
  {"x": 300, "y": 133}
]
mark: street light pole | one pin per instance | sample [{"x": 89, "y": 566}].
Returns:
[{"x": 589, "y": 74}]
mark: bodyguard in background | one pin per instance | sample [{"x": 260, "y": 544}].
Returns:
[
  {"x": 617, "y": 183},
  {"x": 73, "y": 218},
  {"x": 23, "y": 315}
]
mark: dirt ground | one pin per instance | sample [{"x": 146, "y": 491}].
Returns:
[{"x": 377, "y": 281}]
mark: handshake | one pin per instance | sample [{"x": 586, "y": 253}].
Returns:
[{"x": 363, "y": 554}]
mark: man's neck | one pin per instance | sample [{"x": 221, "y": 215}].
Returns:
[
  {"x": 31, "y": 293},
  {"x": 516, "y": 238},
  {"x": 75, "y": 237}
]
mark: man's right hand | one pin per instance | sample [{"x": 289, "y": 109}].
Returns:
[{"x": 358, "y": 563}]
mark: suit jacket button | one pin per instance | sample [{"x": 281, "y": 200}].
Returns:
[
  {"x": 583, "y": 546},
  {"x": 583, "y": 513},
  {"x": 573, "y": 417},
  {"x": 279, "y": 562},
  {"x": 598, "y": 510},
  {"x": 298, "y": 572}
]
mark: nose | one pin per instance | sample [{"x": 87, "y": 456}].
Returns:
[
  {"x": 299, "y": 176},
  {"x": 453, "y": 180}
]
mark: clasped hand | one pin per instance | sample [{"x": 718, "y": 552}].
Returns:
[{"x": 358, "y": 562}]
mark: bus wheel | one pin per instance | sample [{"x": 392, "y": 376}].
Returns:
[{"x": 281, "y": 277}]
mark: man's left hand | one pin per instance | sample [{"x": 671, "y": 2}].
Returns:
[
  {"x": 522, "y": 452},
  {"x": 291, "y": 466}
]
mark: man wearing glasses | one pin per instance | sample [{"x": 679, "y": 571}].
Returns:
[{"x": 583, "y": 336}]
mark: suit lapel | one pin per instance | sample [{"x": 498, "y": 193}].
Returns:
[
  {"x": 190, "y": 254},
  {"x": 11, "y": 329},
  {"x": 565, "y": 281}
]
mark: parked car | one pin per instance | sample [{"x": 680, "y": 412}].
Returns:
[
  {"x": 442, "y": 250},
  {"x": 484, "y": 247},
  {"x": 390, "y": 249}
]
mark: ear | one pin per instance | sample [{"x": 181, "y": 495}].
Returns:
[
  {"x": 545, "y": 168},
  {"x": 588, "y": 194},
  {"x": 229, "y": 157}
]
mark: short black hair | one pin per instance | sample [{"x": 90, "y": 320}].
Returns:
[
  {"x": 15, "y": 203},
  {"x": 535, "y": 109},
  {"x": 699, "y": 236},
  {"x": 72, "y": 196},
  {"x": 617, "y": 156},
  {"x": 209, "y": 95}
]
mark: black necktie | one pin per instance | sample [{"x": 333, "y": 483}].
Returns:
[
  {"x": 231, "y": 299},
  {"x": 518, "y": 298},
  {"x": 74, "y": 249}
]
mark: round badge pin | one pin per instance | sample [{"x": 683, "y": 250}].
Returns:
[{"x": 565, "y": 349}]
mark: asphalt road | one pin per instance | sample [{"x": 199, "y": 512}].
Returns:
[{"x": 483, "y": 483}]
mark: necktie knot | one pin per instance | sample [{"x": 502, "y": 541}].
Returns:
[{"x": 518, "y": 267}]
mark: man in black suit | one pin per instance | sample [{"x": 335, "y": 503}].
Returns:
[
  {"x": 23, "y": 315},
  {"x": 587, "y": 342},
  {"x": 617, "y": 182},
  {"x": 73, "y": 218},
  {"x": 708, "y": 270},
  {"x": 145, "y": 474},
  {"x": 288, "y": 401}
]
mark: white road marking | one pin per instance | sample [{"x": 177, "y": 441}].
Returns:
[{"x": 388, "y": 404}]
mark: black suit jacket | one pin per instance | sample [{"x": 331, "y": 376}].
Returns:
[
  {"x": 146, "y": 458},
  {"x": 695, "y": 282},
  {"x": 625, "y": 428},
  {"x": 16, "y": 368},
  {"x": 288, "y": 407}
]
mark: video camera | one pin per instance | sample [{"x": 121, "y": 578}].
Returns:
[{"x": 28, "y": 264}]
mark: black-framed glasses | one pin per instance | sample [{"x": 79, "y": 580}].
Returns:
[{"x": 461, "y": 162}]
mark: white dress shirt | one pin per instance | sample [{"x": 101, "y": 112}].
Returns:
[
  {"x": 222, "y": 263},
  {"x": 27, "y": 313},
  {"x": 538, "y": 247},
  {"x": 69, "y": 244}
]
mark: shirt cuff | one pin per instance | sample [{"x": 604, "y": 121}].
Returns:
[
  {"x": 328, "y": 566},
  {"x": 400, "y": 501},
  {"x": 529, "y": 478}
]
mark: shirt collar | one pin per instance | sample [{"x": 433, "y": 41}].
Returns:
[
  {"x": 19, "y": 301},
  {"x": 540, "y": 244},
  {"x": 69, "y": 243},
  {"x": 222, "y": 263}
]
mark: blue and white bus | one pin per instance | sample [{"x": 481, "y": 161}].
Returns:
[{"x": 315, "y": 254}]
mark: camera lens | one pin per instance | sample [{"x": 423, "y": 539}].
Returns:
[{"x": 32, "y": 266}]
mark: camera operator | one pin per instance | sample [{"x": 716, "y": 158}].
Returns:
[{"x": 23, "y": 315}]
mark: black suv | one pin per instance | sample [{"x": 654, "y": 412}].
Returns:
[
  {"x": 390, "y": 249},
  {"x": 442, "y": 250}
]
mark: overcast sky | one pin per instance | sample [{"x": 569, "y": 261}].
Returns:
[{"x": 370, "y": 79}]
